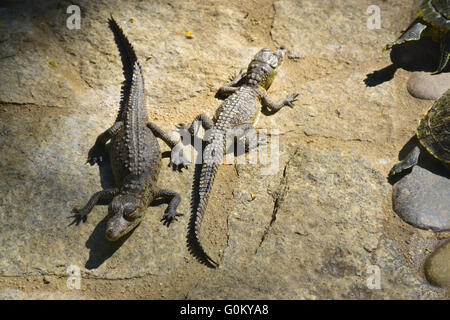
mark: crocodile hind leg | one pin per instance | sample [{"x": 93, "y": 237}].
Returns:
[
  {"x": 104, "y": 195},
  {"x": 445, "y": 53},
  {"x": 205, "y": 121},
  {"x": 245, "y": 135},
  {"x": 161, "y": 134},
  {"x": 410, "y": 161},
  {"x": 177, "y": 159},
  {"x": 98, "y": 151},
  {"x": 171, "y": 212},
  {"x": 412, "y": 33}
]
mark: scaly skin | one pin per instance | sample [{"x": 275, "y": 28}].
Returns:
[
  {"x": 134, "y": 156},
  {"x": 246, "y": 95}
]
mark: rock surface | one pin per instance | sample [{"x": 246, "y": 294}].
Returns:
[
  {"x": 312, "y": 229},
  {"x": 422, "y": 199},
  {"x": 437, "y": 266},
  {"x": 292, "y": 234}
]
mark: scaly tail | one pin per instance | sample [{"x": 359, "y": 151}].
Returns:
[
  {"x": 129, "y": 59},
  {"x": 206, "y": 180}
]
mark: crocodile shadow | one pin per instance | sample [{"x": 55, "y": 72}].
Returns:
[
  {"x": 420, "y": 55},
  {"x": 100, "y": 248}
]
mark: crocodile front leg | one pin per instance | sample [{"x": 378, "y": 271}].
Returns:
[
  {"x": 98, "y": 152},
  {"x": 171, "y": 212},
  {"x": 104, "y": 195},
  {"x": 275, "y": 106}
]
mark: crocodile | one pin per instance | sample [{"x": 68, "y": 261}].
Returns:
[
  {"x": 134, "y": 154},
  {"x": 245, "y": 97}
]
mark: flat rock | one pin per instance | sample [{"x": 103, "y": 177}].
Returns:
[
  {"x": 422, "y": 199},
  {"x": 14, "y": 294},
  {"x": 314, "y": 28},
  {"x": 287, "y": 235},
  {"x": 437, "y": 266},
  {"x": 424, "y": 85},
  {"x": 312, "y": 229}
]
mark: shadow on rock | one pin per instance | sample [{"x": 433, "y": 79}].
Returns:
[
  {"x": 100, "y": 248},
  {"x": 379, "y": 76},
  {"x": 106, "y": 174},
  {"x": 420, "y": 55}
]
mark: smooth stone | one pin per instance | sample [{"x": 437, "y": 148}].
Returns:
[
  {"x": 423, "y": 85},
  {"x": 437, "y": 266},
  {"x": 422, "y": 199}
]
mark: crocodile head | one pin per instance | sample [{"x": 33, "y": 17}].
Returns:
[
  {"x": 264, "y": 67},
  {"x": 125, "y": 216}
]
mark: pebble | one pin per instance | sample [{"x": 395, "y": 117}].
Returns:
[
  {"x": 422, "y": 199},
  {"x": 424, "y": 85},
  {"x": 437, "y": 266}
]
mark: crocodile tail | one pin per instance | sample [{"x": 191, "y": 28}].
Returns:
[
  {"x": 135, "y": 119},
  {"x": 205, "y": 182},
  {"x": 129, "y": 58}
]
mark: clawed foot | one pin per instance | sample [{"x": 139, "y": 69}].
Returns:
[
  {"x": 179, "y": 166},
  {"x": 169, "y": 216},
  {"x": 178, "y": 161},
  {"x": 290, "y": 100},
  {"x": 188, "y": 128},
  {"x": 97, "y": 154},
  {"x": 78, "y": 215}
]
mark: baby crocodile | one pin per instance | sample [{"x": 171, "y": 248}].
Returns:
[
  {"x": 134, "y": 155},
  {"x": 246, "y": 95}
]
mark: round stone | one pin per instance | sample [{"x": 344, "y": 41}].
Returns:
[
  {"x": 422, "y": 199},
  {"x": 437, "y": 266},
  {"x": 423, "y": 85}
]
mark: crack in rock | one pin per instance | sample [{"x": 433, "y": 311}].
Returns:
[{"x": 279, "y": 197}]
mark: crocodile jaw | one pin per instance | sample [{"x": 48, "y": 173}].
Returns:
[{"x": 117, "y": 226}]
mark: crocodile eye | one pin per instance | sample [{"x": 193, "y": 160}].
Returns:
[
  {"x": 133, "y": 215},
  {"x": 114, "y": 207},
  {"x": 128, "y": 209}
]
